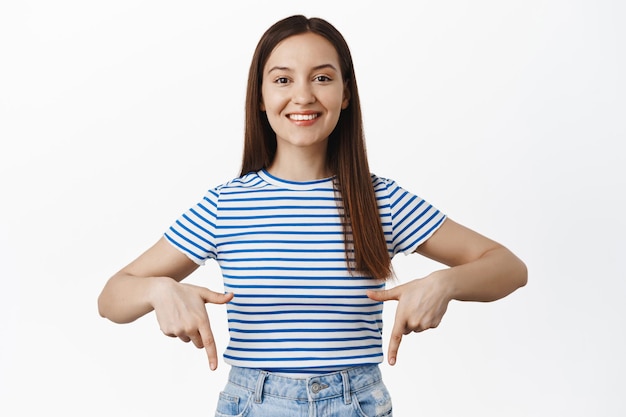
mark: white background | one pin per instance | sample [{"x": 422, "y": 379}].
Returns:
[{"x": 507, "y": 115}]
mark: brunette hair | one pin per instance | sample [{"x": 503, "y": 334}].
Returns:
[{"x": 346, "y": 155}]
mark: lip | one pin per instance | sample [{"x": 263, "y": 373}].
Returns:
[{"x": 303, "y": 118}]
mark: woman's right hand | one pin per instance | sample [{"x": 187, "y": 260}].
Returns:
[
  {"x": 153, "y": 282},
  {"x": 181, "y": 312}
]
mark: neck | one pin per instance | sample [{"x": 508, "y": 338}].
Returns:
[{"x": 300, "y": 166}]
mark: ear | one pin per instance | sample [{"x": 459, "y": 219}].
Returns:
[
  {"x": 262, "y": 105},
  {"x": 346, "y": 97}
]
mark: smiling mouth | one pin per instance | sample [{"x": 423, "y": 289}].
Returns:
[{"x": 303, "y": 117}]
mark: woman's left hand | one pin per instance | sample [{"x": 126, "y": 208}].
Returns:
[{"x": 421, "y": 306}]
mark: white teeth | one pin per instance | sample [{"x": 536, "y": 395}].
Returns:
[{"x": 302, "y": 116}]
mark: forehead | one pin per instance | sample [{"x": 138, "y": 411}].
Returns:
[{"x": 304, "y": 50}]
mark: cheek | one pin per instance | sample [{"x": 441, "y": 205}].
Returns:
[
  {"x": 272, "y": 103},
  {"x": 335, "y": 99}
]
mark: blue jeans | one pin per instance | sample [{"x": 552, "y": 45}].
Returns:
[{"x": 353, "y": 392}]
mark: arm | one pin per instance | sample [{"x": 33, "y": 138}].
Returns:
[
  {"x": 479, "y": 270},
  {"x": 152, "y": 282}
]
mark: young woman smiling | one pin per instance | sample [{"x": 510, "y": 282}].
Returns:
[{"x": 304, "y": 238}]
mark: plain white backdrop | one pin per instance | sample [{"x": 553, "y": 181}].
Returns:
[{"x": 509, "y": 116}]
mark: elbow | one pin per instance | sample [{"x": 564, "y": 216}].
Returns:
[
  {"x": 105, "y": 311},
  {"x": 110, "y": 309},
  {"x": 108, "y": 305},
  {"x": 521, "y": 274},
  {"x": 102, "y": 310}
]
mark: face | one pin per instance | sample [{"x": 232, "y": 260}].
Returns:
[{"x": 303, "y": 92}]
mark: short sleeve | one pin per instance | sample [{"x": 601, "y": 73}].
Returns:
[
  {"x": 413, "y": 219},
  {"x": 193, "y": 233}
]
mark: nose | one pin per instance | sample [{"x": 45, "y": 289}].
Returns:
[{"x": 303, "y": 93}]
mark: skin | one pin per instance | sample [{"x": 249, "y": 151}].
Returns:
[
  {"x": 301, "y": 77},
  {"x": 479, "y": 270},
  {"x": 152, "y": 282}
]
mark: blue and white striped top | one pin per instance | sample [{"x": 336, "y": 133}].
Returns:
[{"x": 280, "y": 247}]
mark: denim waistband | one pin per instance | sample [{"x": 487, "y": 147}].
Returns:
[{"x": 318, "y": 387}]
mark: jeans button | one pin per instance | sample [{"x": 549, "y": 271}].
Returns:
[{"x": 315, "y": 387}]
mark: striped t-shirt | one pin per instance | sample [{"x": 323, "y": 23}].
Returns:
[{"x": 280, "y": 247}]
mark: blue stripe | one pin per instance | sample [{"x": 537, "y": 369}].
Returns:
[
  {"x": 334, "y": 358},
  {"x": 280, "y": 268},
  {"x": 285, "y": 260},
  {"x": 300, "y": 296},
  {"x": 266, "y": 313},
  {"x": 304, "y": 287},
  {"x": 392, "y": 195},
  {"x": 256, "y": 322},
  {"x": 350, "y": 330},
  {"x": 328, "y": 349},
  {"x": 197, "y": 235},
  {"x": 198, "y": 225},
  {"x": 410, "y": 212},
  {"x": 191, "y": 242},
  {"x": 267, "y": 190},
  {"x": 429, "y": 231},
  {"x": 211, "y": 202},
  {"x": 280, "y": 208},
  {"x": 303, "y": 340},
  {"x": 257, "y": 199},
  {"x": 277, "y": 250},
  {"x": 183, "y": 248},
  {"x": 278, "y": 305},
  {"x": 303, "y": 277},
  {"x": 282, "y": 216},
  {"x": 286, "y": 242},
  {"x": 258, "y": 226},
  {"x": 414, "y": 221},
  {"x": 198, "y": 215},
  {"x": 421, "y": 226},
  {"x": 284, "y": 232}
]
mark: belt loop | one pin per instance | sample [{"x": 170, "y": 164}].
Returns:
[
  {"x": 258, "y": 391},
  {"x": 347, "y": 398}
]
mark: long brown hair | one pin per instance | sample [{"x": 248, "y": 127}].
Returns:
[{"x": 346, "y": 155}]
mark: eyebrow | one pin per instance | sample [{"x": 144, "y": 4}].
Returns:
[{"x": 316, "y": 68}]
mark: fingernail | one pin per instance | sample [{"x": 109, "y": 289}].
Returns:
[
  {"x": 392, "y": 361},
  {"x": 212, "y": 366}
]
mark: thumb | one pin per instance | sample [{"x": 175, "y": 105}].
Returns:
[
  {"x": 215, "y": 297},
  {"x": 384, "y": 295}
]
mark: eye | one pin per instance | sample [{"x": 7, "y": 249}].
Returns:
[
  {"x": 281, "y": 80},
  {"x": 322, "y": 78}
]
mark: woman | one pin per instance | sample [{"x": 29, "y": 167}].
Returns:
[{"x": 304, "y": 238}]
